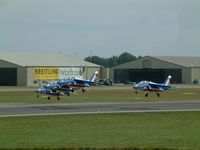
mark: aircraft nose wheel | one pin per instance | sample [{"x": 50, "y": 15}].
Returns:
[
  {"x": 146, "y": 94},
  {"x": 83, "y": 90},
  {"x": 158, "y": 94},
  {"x": 136, "y": 92}
]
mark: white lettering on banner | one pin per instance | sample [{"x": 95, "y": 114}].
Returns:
[{"x": 68, "y": 73}]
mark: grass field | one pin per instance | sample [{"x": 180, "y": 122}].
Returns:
[
  {"x": 170, "y": 130},
  {"x": 166, "y": 130},
  {"x": 110, "y": 94}
]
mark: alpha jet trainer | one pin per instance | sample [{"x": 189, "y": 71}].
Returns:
[
  {"x": 54, "y": 89},
  {"x": 66, "y": 87},
  {"x": 77, "y": 84},
  {"x": 148, "y": 86}
]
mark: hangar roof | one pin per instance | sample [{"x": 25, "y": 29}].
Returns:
[
  {"x": 185, "y": 61},
  {"x": 44, "y": 59}
]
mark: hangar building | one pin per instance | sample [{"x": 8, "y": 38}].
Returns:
[
  {"x": 184, "y": 70},
  {"x": 35, "y": 69}
]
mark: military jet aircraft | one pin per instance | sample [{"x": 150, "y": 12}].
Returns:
[
  {"x": 65, "y": 87},
  {"x": 73, "y": 84},
  {"x": 54, "y": 89},
  {"x": 148, "y": 86},
  {"x": 77, "y": 84},
  {"x": 91, "y": 81}
]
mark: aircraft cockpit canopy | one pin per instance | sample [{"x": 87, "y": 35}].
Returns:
[{"x": 143, "y": 83}]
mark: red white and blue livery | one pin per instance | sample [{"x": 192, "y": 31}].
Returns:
[
  {"x": 148, "y": 86},
  {"x": 66, "y": 87}
]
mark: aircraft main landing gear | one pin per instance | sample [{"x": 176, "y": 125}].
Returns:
[
  {"x": 158, "y": 94},
  {"x": 83, "y": 90},
  {"x": 146, "y": 94},
  {"x": 136, "y": 91}
]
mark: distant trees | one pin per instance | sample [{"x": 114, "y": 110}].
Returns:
[
  {"x": 112, "y": 61},
  {"x": 125, "y": 57},
  {"x": 96, "y": 60}
]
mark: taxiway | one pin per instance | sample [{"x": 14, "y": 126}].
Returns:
[{"x": 89, "y": 108}]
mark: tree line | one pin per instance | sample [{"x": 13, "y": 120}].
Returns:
[{"x": 112, "y": 61}]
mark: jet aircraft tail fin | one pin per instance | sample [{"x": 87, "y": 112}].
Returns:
[
  {"x": 93, "y": 78},
  {"x": 167, "y": 81}
]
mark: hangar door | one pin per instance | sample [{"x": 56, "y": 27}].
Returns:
[
  {"x": 155, "y": 75},
  {"x": 8, "y": 77}
]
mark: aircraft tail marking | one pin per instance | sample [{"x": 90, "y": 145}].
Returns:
[
  {"x": 167, "y": 81},
  {"x": 94, "y": 77}
]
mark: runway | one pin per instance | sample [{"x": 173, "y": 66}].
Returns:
[{"x": 90, "y": 108}]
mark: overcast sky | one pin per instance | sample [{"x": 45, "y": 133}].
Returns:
[{"x": 101, "y": 27}]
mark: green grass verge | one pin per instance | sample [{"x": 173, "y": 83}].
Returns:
[
  {"x": 102, "y": 95},
  {"x": 170, "y": 130}
]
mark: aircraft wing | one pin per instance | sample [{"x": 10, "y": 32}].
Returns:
[
  {"x": 156, "y": 87},
  {"x": 160, "y": 87},
  {"x": 81, "y": 81},
  {"x": 153, "y": 85}
]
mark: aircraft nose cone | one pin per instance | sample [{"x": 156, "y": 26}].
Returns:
[
  {"x": 38, "y": 90},
  {"x": 135, "y": 86},
  {"x": 46, "y": 86}
]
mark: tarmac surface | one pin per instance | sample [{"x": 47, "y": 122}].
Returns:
[
  {"x": 121, "y": 86},
  {"x": 91, "y": 108}
]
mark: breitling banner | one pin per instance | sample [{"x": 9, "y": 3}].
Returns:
[
  {"x": 46, "y": 73},
  {"x": 56, "y": 73}
]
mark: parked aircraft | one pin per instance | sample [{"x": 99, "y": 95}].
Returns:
[{"x": 148, "y": 86}]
